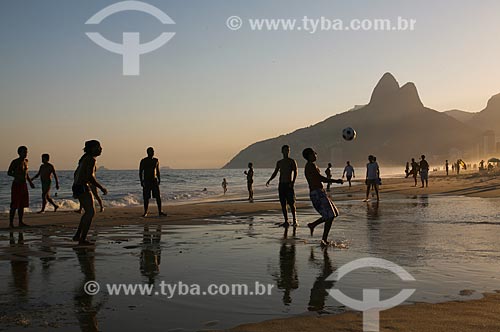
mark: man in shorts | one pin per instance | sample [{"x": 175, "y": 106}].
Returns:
[
  {"x": 424, "y": 171},
  {"x": 321, "y": 202},
  {"x": 348, "y": 172},
  {"x": 45, "y": 173},
  {"x": 287, "y": 167},
  {"x": 149, "y": 174},
  {"x": 20, "y": 198}
]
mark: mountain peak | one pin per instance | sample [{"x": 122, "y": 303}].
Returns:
[
  {"x": 494, "y": 101},
  {"x": 386, "y": 87},
  {"x": 408, "y": 95}
]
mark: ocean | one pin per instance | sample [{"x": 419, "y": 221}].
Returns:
[{"x": 177, "y": 185}]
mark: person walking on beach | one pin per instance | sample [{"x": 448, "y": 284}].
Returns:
[
  {"x": 328, "y": 172},
  {"x": 372, "y": 177},
  {"x": 447, "y": 166},
  {"x": 321, "y": 202},
  {"x": 149, "y": 175},
  {"x": 407, "y": 169},
  {"x": 348, "y": 172},
  {"x": 20, "y": 198},
  {"x": 45, "y": 173},
  {"x": 287, "y": 167},
  {"x": 424, "y": 171},
  {"x": 224, "y": 185},
  {"x": 414, "y": 170},
  {"x": 249, "y": 175},
  {"x": 83, "y": 177}
]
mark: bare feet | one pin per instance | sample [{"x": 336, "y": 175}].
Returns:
[
  {"x": 41, "y": 211},
  {"x": 145, "y": 214},
  {"x": 295, "y": 223},
  {"x": 311, "y": 228},
  {"x": 285, "y": 224},
  {"x": 85, "y": 243},
  {"x": 162, "y": 214},
  {"x": 56, "y": 207},
  {"x": 21, "y": 224},
  {"x": 102, "y": 209},
  {"x": 324, "y": 244}
]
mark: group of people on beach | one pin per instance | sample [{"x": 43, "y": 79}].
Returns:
[
  {"x": 421, "y": 168},
  {"x": 84, "y": 186}
]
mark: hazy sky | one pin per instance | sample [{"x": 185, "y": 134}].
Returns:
[{"x": 210, "y": 91}]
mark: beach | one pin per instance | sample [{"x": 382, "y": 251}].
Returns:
[{"x": 213, "y": 236}]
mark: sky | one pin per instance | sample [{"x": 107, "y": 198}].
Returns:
[{"x": 211, "y": 91}]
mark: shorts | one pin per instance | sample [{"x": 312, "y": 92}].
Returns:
[
  {"x": 19, "y": 196},
  {"x": 286, "y": 194},
  {"x": 151, "y": 188},
  {"x": 46, "y": 184},
  {"x": 424, "y": 174},
  {"x": 323, "y": 204},
  {"x": 79, "y": 189},
  {"x": 349, "y": 177},
  {"x": 370, "y": 182}
]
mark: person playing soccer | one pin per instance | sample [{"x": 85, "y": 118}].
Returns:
[
  {"x": 348, "y": 172},
  {"x": 287, "y": 167},
  {"x": 321, "y": 202},
  {"x": 45, "y": 173},
  {"x": 20, "y": 198}
]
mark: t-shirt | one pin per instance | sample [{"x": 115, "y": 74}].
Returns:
[
  {"x": 349, "y": 170},
  {"x": 424, "y": 165},
  {"x": 372, "y": 171}
]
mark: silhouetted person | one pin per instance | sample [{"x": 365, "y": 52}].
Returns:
[
  {"x": 83, "y": 177},
  {"x": 481, "y": 165},
  {"x": 249, "y": 175},
  {"x": 45, "y": 173},
  {"x": 149, "y": 174},
  {"x": 447, "y": 167},
  {"x": 20, "y": 198},
  {"x": 96, "y": 196},
  {"x": 414, "y": 170},
  {"x": 328, "y": 173},
  {"x": 224, "y": 185},
  {"x": 458, "y": 167},
  {"x": 321, "y": 202},
  {"x": 348, "y": 172},
  {"x": 372, "y": 177},
  {"x": 407, "y": 169},
  {"x": 287, "y": 167},
  {"x": 424, "y": 171}
]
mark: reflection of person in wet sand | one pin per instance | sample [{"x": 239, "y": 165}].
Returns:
[
  {"x": 84, "y": 176},
  {"x": 85, "y": 310},
  {"x": 20, "y": 198},
  {"x": 149, "y": 174},
  {"x": 224, "y": 185},
  {"x": 151, "y": 253},
  {"x": 288, "y": 278},
  {"x": 319, "y": 199},
  {"x": 45, "y": 173},
  {"x": 19, "y": 265},
  {"x": 287, "y": 167},
  {"x": 249, "y": 175},
  {"x": 319, "y": 290}
]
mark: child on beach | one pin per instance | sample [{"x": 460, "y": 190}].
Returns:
[
  {"x": 45, "y": 173},
  {"x": 83, "y": 177},
  {"x": 321, "y": 202},
  {"x": 20, "y": 198}
]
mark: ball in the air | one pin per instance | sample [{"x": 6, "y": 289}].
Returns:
[{"x": 349, "y": 134}]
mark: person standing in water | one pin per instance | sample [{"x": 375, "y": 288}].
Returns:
[
  {"x": 328, "y": 172},
  {"x": 83, "y": 177},
  {"x": 249, "y": 175},
  {"x": 372, "y": 177},
  {"x": 348, "y": 172},
  {"x": 321, "y": 202},
  {"x": 149, "y": 175},
  {"x": 287, "y": 167},
  {"x": 20, "y": 198},
  {"x": 224, "y": 185},
  {"x": 45, "y": 173}
]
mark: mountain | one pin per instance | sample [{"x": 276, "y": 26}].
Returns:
[
  {"x": 488, "y": 118},
  {"x": 394, "y": 126},
  {"x": 459, "y": 115}
]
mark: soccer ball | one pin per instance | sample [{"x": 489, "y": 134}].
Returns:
[{"x": 349, "y": 134}]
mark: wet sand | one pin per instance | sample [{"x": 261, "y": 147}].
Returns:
[{"x": 468, "y": 316}]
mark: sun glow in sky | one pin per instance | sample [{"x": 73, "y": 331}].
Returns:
[{"x": 210, "y": 91}]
